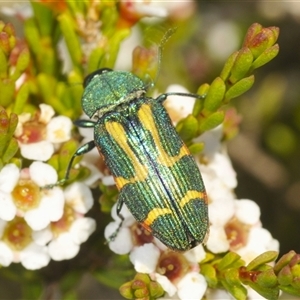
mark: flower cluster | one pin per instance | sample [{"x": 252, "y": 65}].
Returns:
[{"x": 38, "y": 224}]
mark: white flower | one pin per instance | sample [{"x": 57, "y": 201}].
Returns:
[
  {"x": 217, "y": 241},
  {"x": 187, "y": 282},
  {"x": 247, "y": 211},
  {"x": 20, "y": 195},
  {"x": 16, "y": 246},
  {"x": 211, "y": 140},
  {"x": 192, "y": 286},
  {"x": 49, "y": 210},
  {"x": 215, "y": 186},
  {"x": 259, "y": 241},
  {"x": 51, "y": 204},
  {"x": 221, "y": 164},
  {"x": 38, "y": 136},
  {"x": 67, "y": 244},
  {"x": 145, "y": 258},
  {"x": 73, "y": 228},
  {"x": 221, "y": 210},
  {"x": 79, "y": 196}
]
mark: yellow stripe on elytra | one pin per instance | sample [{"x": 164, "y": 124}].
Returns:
[
  {"x": 191, "y": 195},
  {"x": 154, "y": 213},
  {"x": 117, "y": 131},
  {"x": 145, "y": 116}
]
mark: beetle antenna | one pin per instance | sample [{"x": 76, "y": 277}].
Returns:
[
  {"x": 164, "y": 40},
  {"x": 162, "y": 43}
]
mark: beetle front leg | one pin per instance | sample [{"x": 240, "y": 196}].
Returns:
[{"x": 80, "y": 151}]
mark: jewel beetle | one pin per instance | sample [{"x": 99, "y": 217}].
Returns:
[{"x": 157, "y": 178}]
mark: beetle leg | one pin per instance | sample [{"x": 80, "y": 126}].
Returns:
[
  {"x": 84, "y": 123},
  {"x": 80, "y": 151},
  {"x": 119, "y": 207}
]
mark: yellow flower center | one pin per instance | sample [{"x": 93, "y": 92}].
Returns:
[
  {"x": 17, "y": 234},
  {"x": 26, "y": 195},
  {"x": 65, "y": 222}
]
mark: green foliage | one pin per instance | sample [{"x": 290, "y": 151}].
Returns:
[
  {"x": 235, "y": 79},
  {"x": 141, "y": 287},
  {"x": 231, "y": 273},
  {"x": 8, "y": 144}
]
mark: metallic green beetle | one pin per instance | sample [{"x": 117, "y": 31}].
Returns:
[{"x": 156, "y": 175}]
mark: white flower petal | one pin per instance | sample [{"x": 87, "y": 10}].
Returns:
[
  {"x": 52, "y": 203},
  {"x": 63, "y": 247},
  {"x": 50, "y": 209},
  {"x": 42, "y": 237},
  {"x": 6, "y": 255},
  {"x": 178, "y": 107},
  {"x": 42, "y": 173},
  {"x": 34, "y": 257},
  {"x": 160, "y": 245},
  {"x": 215, "y": 188},
  {"x": 46, "y": 113},
  {"x": 221, "y": 210},
  {"x": 259, "y": 241},
  {"x": 128, "y": 217},
  {"x": 22, "y": 118},
  {"x": 166, "y": 284},
  {"x": 81, "y": 229},
  {"x": 145, "y": 258},
  {"x": 122, "y": 244},
  {"x": 37, "y": 219},
  {"x": 223, "y": 168},
  {"x": 192, "y": 286},
  {"x": 95, "y": 174},
  {"x": 217, "y": 241},
  {"x": 42, "y": 150},
  {"x": 247, "y": 211},
  {"x": 79, "y": 196},
  {"x": 273, "y": 245},
  {"x": 195, "y": 255},
  {"x": 9, "y": 177},
  {"x": 8, "y": 209},
  {"x": 108, "y": 180},
  {"x": 59, "y": 129},
  {"x": 211, "y": 140}
]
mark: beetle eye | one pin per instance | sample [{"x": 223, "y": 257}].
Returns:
[{"x": 89, "y": 77}]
